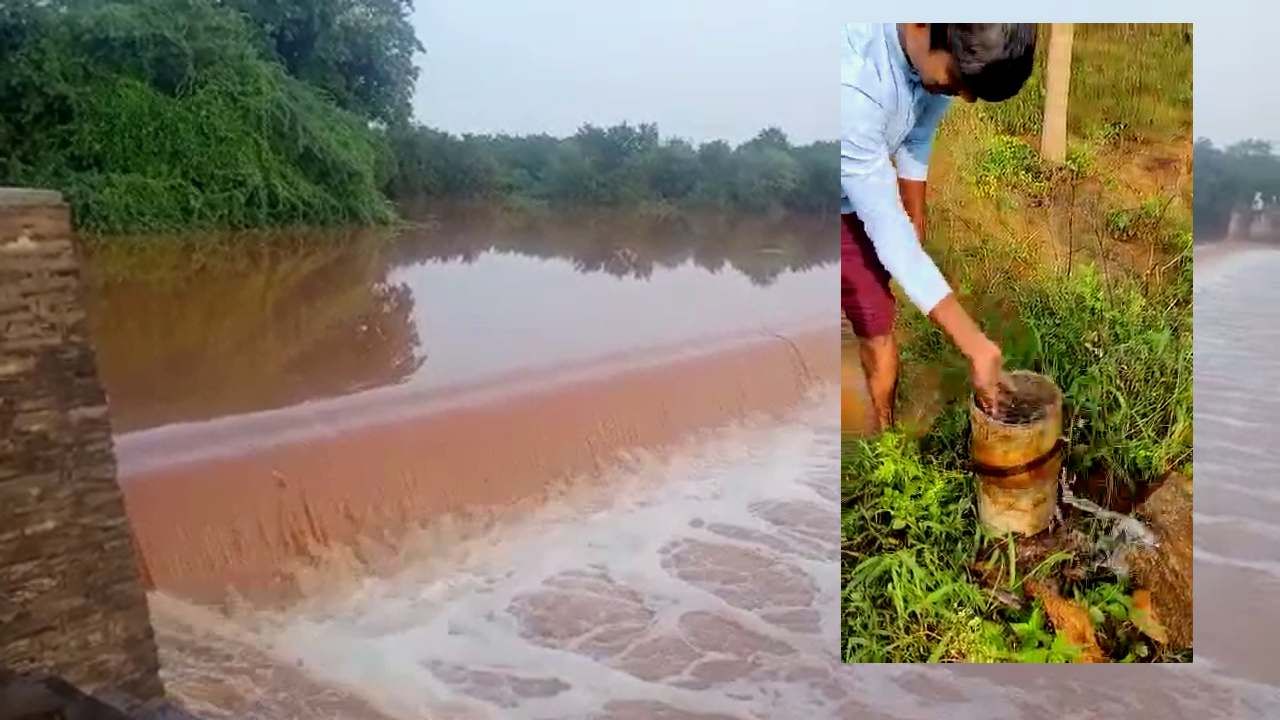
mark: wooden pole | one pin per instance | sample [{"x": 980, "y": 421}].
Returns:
[{"x": 1053, "y": 142}]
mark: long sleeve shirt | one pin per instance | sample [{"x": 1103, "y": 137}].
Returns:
[{"x": 887, "y": 118}]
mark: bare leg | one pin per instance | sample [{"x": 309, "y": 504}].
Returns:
[
  {"x": 857, "y": 414},
  {"x": 880, "y": 363}
]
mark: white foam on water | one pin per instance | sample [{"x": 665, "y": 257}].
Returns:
[
  {"x": 1228, "y": 421},
  {"x": 1251, "y": 525},
  {"x": 1265, "y": 567},
  {"x": 665, "y": 539},
  {"x": 1256, "y": 494},
  {"x": 1230, "y": 444}
]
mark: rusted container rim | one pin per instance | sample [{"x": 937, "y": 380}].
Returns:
[{"x": 1054, "y": 399}]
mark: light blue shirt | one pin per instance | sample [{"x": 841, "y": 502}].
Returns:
[{"x": 887, "y": 118}]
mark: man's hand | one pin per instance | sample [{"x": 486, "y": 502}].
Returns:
[
  {"x": 986, "y": 362},
  {"x": 986, "y": 368}
]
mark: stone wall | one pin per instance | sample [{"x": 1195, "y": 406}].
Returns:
[
  {"x": 25, "y": 697},
  {"x": 71, "y": 600}
]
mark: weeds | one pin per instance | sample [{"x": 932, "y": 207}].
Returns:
[
  {"x": 1081, "y": 159},
  {"x": 1010, "y": 165},
  {"x": 1132, "y": 223},
  {"x": 908, "y": 532},
  {"x": 1035, "y": 641}
]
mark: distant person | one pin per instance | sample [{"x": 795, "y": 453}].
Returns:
[
  {"x": 1257, "y": 224},
  {"x": 897, "y": 80}
]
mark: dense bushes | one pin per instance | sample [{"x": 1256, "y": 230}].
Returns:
[{"x": 162, "y": 114}]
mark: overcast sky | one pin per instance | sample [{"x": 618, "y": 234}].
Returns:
[
  {"x": 701, "y": 69},
  {"x": 1237, "y": 92},
  {"x": 705, "y": 69}
]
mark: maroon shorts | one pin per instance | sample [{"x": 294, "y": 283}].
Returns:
[{"x": 865, "y": 296}]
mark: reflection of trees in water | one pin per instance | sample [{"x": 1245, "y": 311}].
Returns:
[
  {"x": 190, "y": 331},
  {"x": 195, "y": 328},
  {"x": 629, "y": 243},
  {"x": 366, "y": 349}
]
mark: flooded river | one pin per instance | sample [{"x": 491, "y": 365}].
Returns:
[
  {"x": 191, "y": 330},
  {"x": 684, "y": 565}
]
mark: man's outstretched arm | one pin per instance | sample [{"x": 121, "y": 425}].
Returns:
[
  {"x": 892, "y": 210},
  {"x": 985, "y": 359}
]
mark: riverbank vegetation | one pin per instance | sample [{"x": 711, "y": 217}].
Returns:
[
  {"x": 169, "y": 114},
  {"x": 1081, "y": 272},
  {"x": 623, "y": 165},
  {"x": 1227, "y": 179},
  {"x": 166, "y": 115}
]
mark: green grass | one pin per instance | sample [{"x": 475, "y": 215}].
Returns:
[
  {"x": 1144, "y": 93},
  {"x": 907, "y": 532},
  {"x": 1119, "y": 348},
  {"x": 1123, "y": 359},
  {"x": 1007, "y": 164},
  {"x": 909, "y": 538},
  {"x": 1035, "y": 253}
]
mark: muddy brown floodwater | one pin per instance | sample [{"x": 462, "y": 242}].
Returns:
[{"x": 646, "y": 413}]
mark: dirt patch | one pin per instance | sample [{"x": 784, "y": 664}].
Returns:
[
  {"x": 1166, "y": 570},
  {"x": 1155, "y": 167},
  {"x": 1030, "y": 554},
  {"x": 1100, "y": 487}
]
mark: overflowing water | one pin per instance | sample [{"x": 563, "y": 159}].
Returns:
[{"x": 701, "y": 582}]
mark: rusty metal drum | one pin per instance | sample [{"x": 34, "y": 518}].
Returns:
[{"x": 1017, "y": 456}]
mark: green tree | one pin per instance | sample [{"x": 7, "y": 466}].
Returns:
[
  {"x": 764, "y": 176},
  {"x": 770, "y": 137},
  {"x": 608, "y": 149},
  {"x": 673, "y": 170},
  {"x": 619, "y": 166},
  {"x": 162, "y": 114},
  {"x": 716, "y": 161},
  {"x": 1226, "y": 180},
  {"x": 819, "y": 173},
  {"x": 358, "y": 51},
  {"x": 570, "y": 175}
]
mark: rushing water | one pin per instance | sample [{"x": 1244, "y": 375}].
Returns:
[{"x": 701, "y": 582}]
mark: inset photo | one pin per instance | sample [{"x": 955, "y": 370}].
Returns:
[{"x": 1016, "y": 291}]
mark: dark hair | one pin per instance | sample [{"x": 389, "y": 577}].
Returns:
[{"x": 993, "y": 59}]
